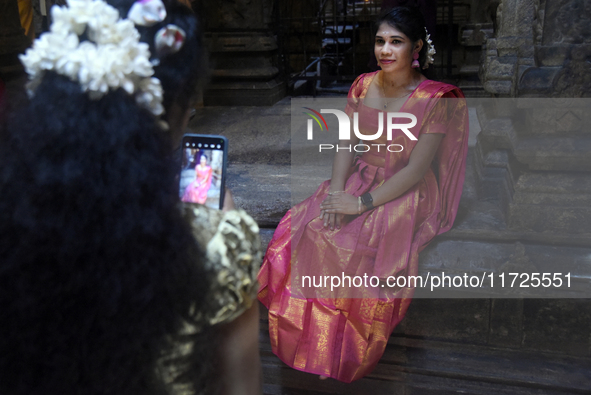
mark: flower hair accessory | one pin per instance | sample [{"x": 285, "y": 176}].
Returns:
[
  {"x": 90, "y": 44},
  {"x": 430, "y": 51},
  {"x": 168, "y": 40},
  {"x": 147, "y": 12}
]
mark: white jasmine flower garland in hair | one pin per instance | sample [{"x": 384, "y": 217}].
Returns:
[
  {"x": 110, "y": 57},
  {"x": 430, "y": 51}
]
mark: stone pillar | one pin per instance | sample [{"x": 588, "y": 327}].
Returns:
[
  {"x": 511, "y": 52},
  {"x": 473, "y": 35},
  {"x": 243, "y": 53},
  {"x": 536, "y": 153},
  {"x": 535, "y": 158},
  {"x": 562, "y": 51}
]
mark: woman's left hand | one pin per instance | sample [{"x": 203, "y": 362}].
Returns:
[
  {"x": 228, "y": 201},
  {"x": 340, "y": 203}
]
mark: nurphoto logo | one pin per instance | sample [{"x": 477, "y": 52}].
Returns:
[{"x": 345, "y": 129}]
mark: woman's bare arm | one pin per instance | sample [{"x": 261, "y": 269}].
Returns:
[
  {"x": 418, "y": 164},
  {"x": 240, "y": 361},
  {"x": 340, "y": 168}
]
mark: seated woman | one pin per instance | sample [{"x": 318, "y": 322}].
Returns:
[
  {"x": 374, "y": 216},
  {"x": 197, "y": 190},
  {"x": 106, "y": 286}
]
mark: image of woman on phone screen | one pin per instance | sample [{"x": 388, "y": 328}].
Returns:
[
  {"x": 373, "y": 217},
  {"x": 196, "y": 191}
]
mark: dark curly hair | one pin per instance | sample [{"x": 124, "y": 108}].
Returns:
[
  {"x": 410, "y": 21},
  {"x": 98, "y": 270},
  {"x": 184, "y": 72}
]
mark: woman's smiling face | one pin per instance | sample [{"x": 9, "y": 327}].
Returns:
[{"x": 393, "y": 49}]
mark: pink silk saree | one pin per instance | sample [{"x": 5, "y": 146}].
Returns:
[
  {"x": 196, "y": 191},
  {"x": 344, "y": 337}
]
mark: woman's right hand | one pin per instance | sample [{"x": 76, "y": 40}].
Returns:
[
  {"x": 332, "y": 221},
  {"x": 228, "y": 201},
  {"x": 340, "y": 167}
]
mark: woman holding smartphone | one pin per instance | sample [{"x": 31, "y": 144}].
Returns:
[
  {"x": 374, "y": 216},
  {"x": 106, "y": 286}
]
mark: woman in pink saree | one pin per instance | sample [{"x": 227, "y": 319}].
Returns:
[
  {"x": 374, "y": 216},
  {"x": 196, "y": 191}
]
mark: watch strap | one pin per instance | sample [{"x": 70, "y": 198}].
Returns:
[{"x": 367, "y": 200}]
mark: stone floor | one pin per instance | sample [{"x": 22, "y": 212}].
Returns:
[{"x": 472, "y": 343}]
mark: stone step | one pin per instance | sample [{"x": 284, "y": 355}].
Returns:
[
  {"x": 412, "y": 365},
  {"x": 264, "y": 191},
  {"x": 469, "y": 69}
]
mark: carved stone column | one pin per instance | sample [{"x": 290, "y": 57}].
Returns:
[
  {"x": 562, "y": 50},
  {"x": 512, "y": 50},
  {"x": 535, "y": 158},
  {"x": 536, "y": 153},
  {"x": 243, "y": 53},
  {"x": 473, "y": 35}
]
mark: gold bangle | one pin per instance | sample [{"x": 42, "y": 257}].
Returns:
[
  {"x": 335, "y": 192},
  {"x": 359, "y": 205}
]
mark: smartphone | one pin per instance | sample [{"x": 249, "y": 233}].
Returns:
[{"x": 203, "y": 169}]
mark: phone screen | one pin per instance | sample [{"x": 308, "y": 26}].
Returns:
[{"x": 203, "y": 168}]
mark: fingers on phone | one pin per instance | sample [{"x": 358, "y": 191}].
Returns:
[{"x": 228, "y": 201}]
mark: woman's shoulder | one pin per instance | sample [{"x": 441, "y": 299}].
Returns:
[
  {"x": 441, "y": 89},
  {"x": 365, "y": 78},
  {"x": 232, "y": 247},
  {"x": 361, "y": 83}
]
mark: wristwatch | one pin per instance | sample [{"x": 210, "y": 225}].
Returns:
[{"x": 367, "y": 200}]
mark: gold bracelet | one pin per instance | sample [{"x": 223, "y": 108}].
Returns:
[
  {"x": 335, "y": 192},
  {"x": 359, "y": 205}
]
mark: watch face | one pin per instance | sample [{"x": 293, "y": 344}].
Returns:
[{"x": 367, "y": 200}]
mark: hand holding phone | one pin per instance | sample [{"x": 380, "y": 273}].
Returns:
[
  {"x": 203, "y": 169},
  {"x": 228, "y": 201}
]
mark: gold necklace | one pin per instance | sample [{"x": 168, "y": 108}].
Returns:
[{"x": 395, "y": 98}]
